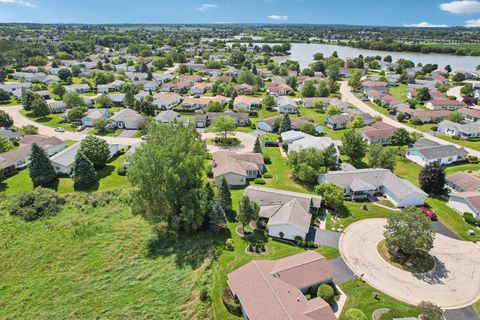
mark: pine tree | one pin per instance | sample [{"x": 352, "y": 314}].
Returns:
[
  {"x": 84, "y": 173},
  {"x": 224, "y": 195},
  {"x": 247, "y": 211},
  {"x": 286, "y": 124},
  {"x": 207, "y": 201},
  {"x": 257, "y": 147},
  {"x": 41, "y": 169},
  {"x": 217, "y": 218}
]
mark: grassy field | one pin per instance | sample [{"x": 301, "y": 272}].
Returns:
[
  {"x": 476, "y": 307},
  {"x": 352, "y": 212},
  {"x": 376, "y": 107},
  {"x": 362, "y": 296},
  {"x": 407, "y": 170},
  {"x": 399, "y": 91},
  {"x": 108, "y": 179},
  {"x": 462, "y": 167},
  {"x": 475, "y": 145},
  {"x": 99, "y": 263},
  {"x": 53, "y": 120},
  {"x": 113, "y": 133}
]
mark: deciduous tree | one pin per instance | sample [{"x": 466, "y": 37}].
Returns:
[
  {"x": 432, "y": 178},
  {"x": 354, "y": 146},
  {"x": 96, "y": 150}
]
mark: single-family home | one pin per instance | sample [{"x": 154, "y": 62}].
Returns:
[
  {"x": 244, "y": 88},
  {"x": 190, "y": 79},
  {"x": 92, "y": 114},
  {"x": 472, "y": 115},
  {"x": 80, "y": 88},
  {"x": 367, "y": 183},
  {"x": 57, "y": 106},
  {"x": 246, "y": 103},
  {"x": 375, "y": 86},
  {"x": 117, "y": 98},
  {"x": 128, "y": 119},
  {"x": 275, "y": 289},
  {"x": 166, "y": 101},
  {"x": 336, "y": 122},
  {"x": 296, "y": 141},
  {"x": 195, "y": 103},
  {"x": 466, "y": 202},
  {"x": 201, "y": 88},
  {"x": 378, "y": 133},
  {"x": 445, "y": 104},
  {"x": 464, "y": 181},
  {"x": 425, "y": 151},
  {"x": 150, "y": 86},
  {"x": 236, "y": 168},
  {"x": 286, "y": 104},
  {"x": 170, "y": 116},
  {"x": 13, "y": 136},
  {"x": 462, "y": 131},
  {"x": 278, "y": 89}
]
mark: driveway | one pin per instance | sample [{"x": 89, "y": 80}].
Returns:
[
  {"x": 454, "y": 283},
  {"x": 460, "y": 314},
  {"x": 349, "y": 96},
  {"x": 127, "y": 133},
  {"x": 324, "y": 237}
]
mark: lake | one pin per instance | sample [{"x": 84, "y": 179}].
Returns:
[{"x": 303, "y": 53}]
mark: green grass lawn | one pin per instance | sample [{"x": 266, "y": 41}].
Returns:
[
  {"x": 462, "y": 167},
  {"x": 399, "y": 91},
  {"x": 476, "y": 307},
  {"x": 12, "y": 102},
  {"x": 424, "y": 127},
  {"x": 108, "y": 179},
  {"x": 475, "y": 145},
  {"x": 376, "y": 107},
  {"x": 352, "y": 212},
  {"x": 407, "y": 170},
  {"x": 108, "y": 133},
  {"x": 100, "y": 263},
  {"x": 362, "y": 296},
  {"x": 53, "y": 120}
]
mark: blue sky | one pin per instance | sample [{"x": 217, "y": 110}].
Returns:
[{"x": 426, "y": 13}]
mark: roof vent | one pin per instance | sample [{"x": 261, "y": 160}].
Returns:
[{"x": 298, "y": 299}]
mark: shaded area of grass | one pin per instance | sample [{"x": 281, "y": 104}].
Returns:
[
  {"x": 421, "y": 263},
  {"x": 362, "y": 296}
]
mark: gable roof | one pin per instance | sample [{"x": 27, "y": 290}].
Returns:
[{"x": 239, "y": 163}]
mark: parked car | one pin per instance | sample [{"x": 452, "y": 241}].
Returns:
[
  {"x": 80, "y": 128},
  {"x": 270, "y": 143},
  {"x": 429, "y": 213},
  {"x": 59, "y": 129}
]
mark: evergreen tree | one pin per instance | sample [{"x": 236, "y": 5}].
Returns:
[
  {"x": 247, "y": 211},
  {"x": 285, "y": 124},
  {"x": 41, "y": 169},
  {"x": 207, "y": 200},
  {"x": 432, "y": 178},
  {"x": 257, "y": 147},
  {"x": 129, "y": 99},
  {"x": 217, "y": 218},
  {"x": 84, "y": 173},
  {"x": 224, "y": 195}
]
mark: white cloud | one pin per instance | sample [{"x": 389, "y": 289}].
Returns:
[
  {"x": 461, "y": 7},
  {"x": 277, "y": 17},
  {"x": 207, "y": 6},
  {"x": 20, "y": 2},
  {"x": 473, "y": 23},
  {"x": 426, "y": 25}
]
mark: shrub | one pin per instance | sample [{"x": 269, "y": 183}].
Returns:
[
  {"x": 326, "y": 293},
  {"x": 229, "y": 245},
  {"x": 267, "y": 159},
  {"x": 230, "y": 304},
  {"x": 259, "y": 181},
  {"x": 253, "y": 125},
  {"x": 472, "y": 159},
  {"x": 298, "y": 238},
  {"x": 122, "y": 171},
  {"x": 204, "y": 297},
  {"x": 469, "y": 218},
  {"x": 354, "y": 314},
  {"x": 310, "y": 243},
  {"x": 30, "y": 129},
  {"x": 32, "y": 205},
  {"x": 281, "y": 234},
  {"x": 267, "y": 175}
]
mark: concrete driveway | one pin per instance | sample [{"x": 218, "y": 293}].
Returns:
[
  {"x": 454, "y": 283},
  {"x": 324, "y": 237}
]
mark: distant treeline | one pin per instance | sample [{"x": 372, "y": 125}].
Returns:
[{"x": 456, "y": 49}]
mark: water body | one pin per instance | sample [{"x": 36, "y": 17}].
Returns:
[{"x": 303, "y": 53}]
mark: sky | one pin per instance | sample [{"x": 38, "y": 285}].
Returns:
[{"x": 422, "y": 13}]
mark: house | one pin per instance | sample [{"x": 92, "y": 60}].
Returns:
[
  {"x": 278, "y": 89},
  {"x": 128, "y": 119},
  {"x": 375, "y": 86},
  {"x": 288, "y": 213},
  {"x": 246, "y": 103},
  {"x": 352, "y": 112},
  {"x": 373, "y": 95},
  {"x": 466, "y": 202},
  {"x": 425, "y": 151},
  {"x": 367, "y": 183},
  {"x": 130, "y": 152},
  {"x": 117, "y": 99},
  {"x": 390, "y": 101},
  {"x": 190, "y": 79},
  {"x": 310, "y": 102},
  {"x": 80, "y": 88},
  {"x": 170, "y": 116},
  {"x": 110, "y": 87},
  {"x": 275, "y": 289},
  {"x": 57, "y": 106},
  {"x": 264, "y": 72},
  {"x": 464, "y": 181},
  {"x": 166, "y": 101},
  {"x": 195, "y": 103},
  {"x": 296, "y": 141},
  {"x": 269, "y": 124},
  {"x": 150, "y": 86},
  {"x": 201, "y": 88},
  {"x": 236, "y": 168},
  {"x": 92, "y": 114},
  {"x": 462, "y": 131},
  {"x": 19, "y": 158},
  {"x": 425, "y": 116},
  {"x": 11, "y": 87},
  {"x": 472, "y": 115},
  {"x": 64, "y": 160},
  {"x": 476, "y": 90},
  {"x": 378, "y": 133},
  {"x": 286, "y": 104},
  {"x": 337, "y": 122},
  {"x": 445, "y": 104},
  {"x": 244, "y": 88},
  {"x": 13, "y": 136},
  {"x": 45, "y": 94}
]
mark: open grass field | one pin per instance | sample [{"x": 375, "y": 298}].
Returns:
[{"x": 53, "y": 120}]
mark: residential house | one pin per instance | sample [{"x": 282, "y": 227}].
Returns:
[
  {"x": 466, "y": 202},
  {"x": 170, "y": 116},
  {"x": 472, "y": 115},
  {"x": 462, "y": 131},
  {"x": 337, "y": 122},
  {"x": 92, "y": 114},
  {"x": 278, "y": 89},
  {"x": 80, "y": 88},
  {"x": 378, "y": 133},
  {"x": 445, "y": 104},
  {"x": 110, "y": 87},
  {"x": 128, "y": 119},
  {"x": 310, "y": 102},
  {"x": 11, "y": 87},
  {"x": 236, "y": 168},
  {"x": 195, "y": 103},
  {"x": 286, "y": 104},
  {"x": 190, "y": 79},
  {"x": 201, "y": 88},
  {"x": 150, "y": 86},
  {"x": 296, "y": 141},
  {"x": 425, "y": 116},
  {"x": 289, "y": 213},
  {"x": 375, "y": 86},
  {"x": 203, "y": 120},
  {"x": 425, "y": 151},
  {"x": 166, "y": 101},
  {"x": 264, "y": 72},
  {"x": 13, "y": 136},
  {"x": 246, "y": 103},
  {"x": 57, "y": 106},
  {"x": 367, "y": 183},
  {"x": 464, "y": 181},
  {"x": 244, "y": 88},
  {"x": 117, "y": 99}
]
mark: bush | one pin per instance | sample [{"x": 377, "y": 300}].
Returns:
[
  {"x": 326, "y": 293},
  {"x": 310, "y": 243},
  {"x": 32, "y": 205},
  {"x": 204, "y": 297},
  {"x": 472, "y": 159},
  {"x": 469, "y": 218},
  {"x": 267, "y": 175},
  {"x": 298, "y": 238},
  {"x": 122, "y": 171},
  {"x": 30, "y": 129},
  {"x": 253, "y": 125},
  {"x": 267, "y": 159},
  {"x": 229, "y": 245},
  {"x": 230, "y": 303},
  {"x": 354, "y": 314},
  {"x": 259, "y": 181}
]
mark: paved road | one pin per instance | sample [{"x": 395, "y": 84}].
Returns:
[
  {"x": 460, "y": 314},
  {"x": 348, "y": 96},
  {"x": 453, "y": 284}
]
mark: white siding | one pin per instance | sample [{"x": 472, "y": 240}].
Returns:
[
  {"x": 289, "y": 231},
  {"x": 264, "y": 126},
  {"x": 233, "y": 179}
]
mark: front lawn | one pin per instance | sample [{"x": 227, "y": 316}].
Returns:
[
  {"x": 407, "y": 170},
  {"x": 352, "y": 212},
  {"x": 475, "y": 145},
  {"x": 361, "y": 296},
  {"x": 53, "y": 120},
  {"x": 107, "y": 133},
  {"x": 12, "y": 102},
  {"x": 462, "y": 167}
]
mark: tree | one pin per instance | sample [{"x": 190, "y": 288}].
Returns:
[
  {"x": 83, "y": 173},
  {"x": 4, "y": 96},
  {"x": 59, "y": 90},
  {"x": 354, "y": 146},
  {"x": 5, "y": 145},
  {"x": 75, "y": 115},
  {"x": 247, "y": 211},
  {"x": 257, "y": 147},
  {"x": 355, "y": 81},
  {"x": 214, "y": 106},
  {"x": 400, "y": 137},
  {"x": 355, "y": 122},
  {"x": 101, "y": 124},
  {"x": 467, "y": 90},
  {"x": 326, "y": 292},
  {"x": 224, "y": 124},
  {"x": 306, "y": 163},
  {"x": 423, "y": 94},
  {"x": 333, "y": 110},
  {"x": 217, "y": 218},
  {"x": 96, "y": 150},
  {"x": 5, "y": 120},
  {"x": 73, "y": 99},
  {"x": 224, "y": 196},
  {"x": 409, "y": 232},
  {"x": 354, "y": 314},
  {"x": 29, "y": 129},
  {"x": 269, "y": 101},
  {"x": 64, "y": 74},
  {"x": 456, "y": 117},
  {"x": 129, "y": 98},
  {"x": 41, "y": 170},
  {"x": 167, "y": 176},
  {"x": 401, "y": 117},
  {"x": 308, "y": 89},
  {"x": 458, "y": 77},
  {"x": 432, "y": 178},
  {"x": 430, "y": 311},
  {"x": 309, "y": 128},
  {"x": 332, "y": 195},
  {"x": 28, "y": 96},
  {"x": 40, "y": 107},
  {"x": 381, "y": 157},
  {"x": 104, "y": 101},
  {"x": 285, "y": 124},
  {"x": 330, "y": 157}
]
